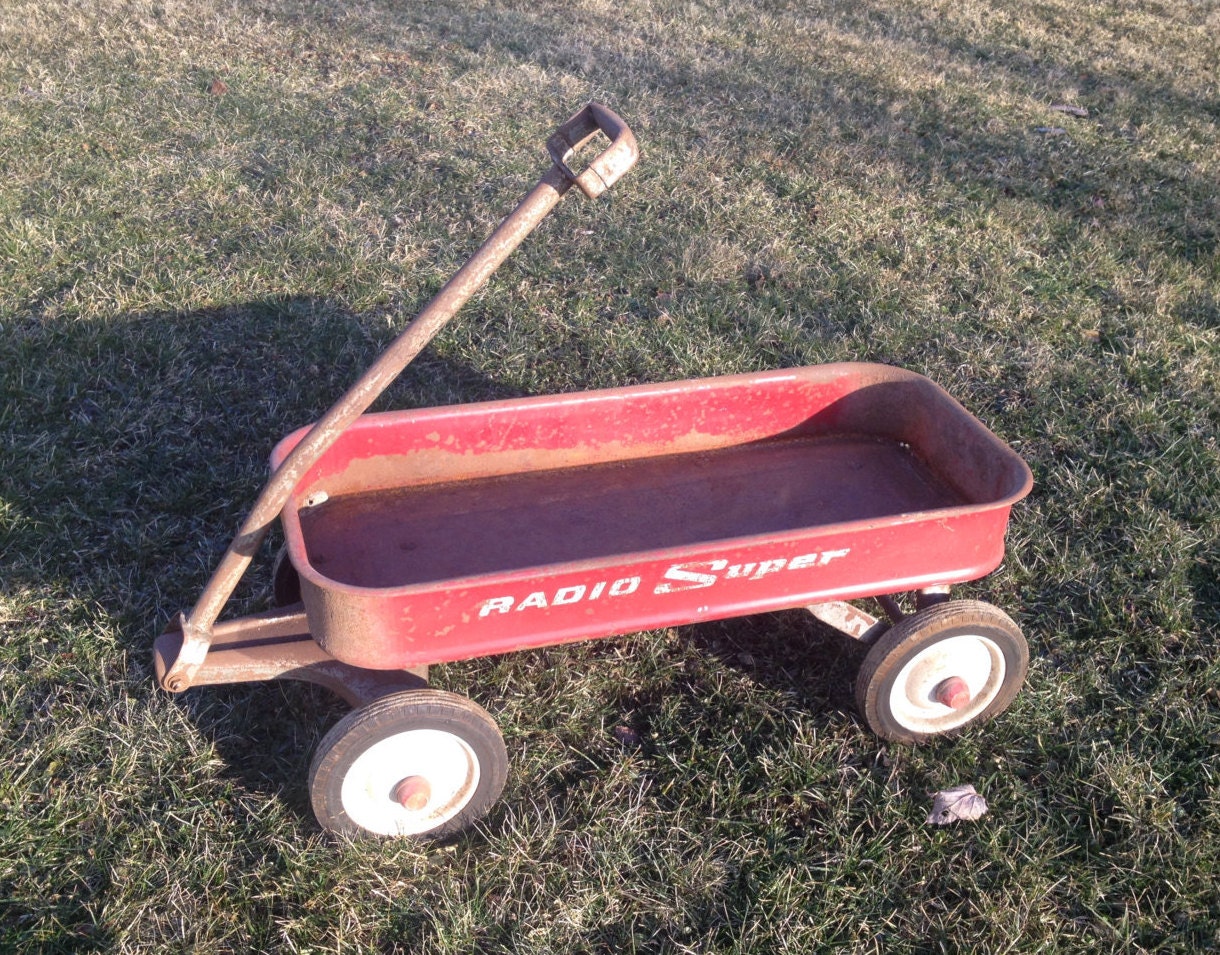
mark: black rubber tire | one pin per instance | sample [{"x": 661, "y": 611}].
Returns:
[
  {"x": 285, "y": 581},
  {"x": 992, "y": 629},
  {"x": 400, "y": 713}
]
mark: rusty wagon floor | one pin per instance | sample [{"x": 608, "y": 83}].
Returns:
[{"x": 414, "y": 535}]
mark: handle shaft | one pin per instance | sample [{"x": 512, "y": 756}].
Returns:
[{"x": 603, "y": 171}]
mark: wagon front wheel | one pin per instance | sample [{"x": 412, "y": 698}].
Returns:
[
  {"x": 940, "y": 670},
  {"x": 421, "y": 763}
]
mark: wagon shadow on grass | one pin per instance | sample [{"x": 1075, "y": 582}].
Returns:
[
  {"x": 808, "y": 661},
  {"x": 799, "y": 670},
  {"x": 658, "y": 693},
  {"x": 267, "y": 735},
  {"x": 135, "y": 445}
]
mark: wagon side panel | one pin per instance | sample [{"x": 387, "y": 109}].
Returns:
[{"x": 458, "y": 620}]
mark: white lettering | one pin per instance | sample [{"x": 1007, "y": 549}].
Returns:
[
  {"x": 770, "y": 567},
  {"x": 693, "y": 575},
  {"x": 496, "y": 605},
  {"x": 621, "y": 588},
  {"x": 536, "y": 599},
  {"x": 568, "y": 595},
  {"x": 692, "y": 580}
]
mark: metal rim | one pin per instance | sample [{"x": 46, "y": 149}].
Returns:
[
  {"x": 975, "y": 659},
  {"x": 445, "y": 760}
]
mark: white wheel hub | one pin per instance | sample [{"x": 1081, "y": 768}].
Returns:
[
  {"x": 447, "y": 763},
  {"x": 914, "y": 701}
]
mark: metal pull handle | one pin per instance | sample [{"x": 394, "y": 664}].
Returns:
[{"x": 607, "y": 168}]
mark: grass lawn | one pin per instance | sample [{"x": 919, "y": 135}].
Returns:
[{"x": 214, "y": 214}]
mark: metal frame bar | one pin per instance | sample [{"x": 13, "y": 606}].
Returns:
[
  {"x": 862, "y": 626},
  {"x": 277, "y": 645}
]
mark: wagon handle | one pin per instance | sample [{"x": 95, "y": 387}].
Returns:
[{"x": 606, "y": 169}]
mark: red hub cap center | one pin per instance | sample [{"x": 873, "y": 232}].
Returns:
[
  {"x": 953, "y": 693},
  {"x": 413, "y": 793}
]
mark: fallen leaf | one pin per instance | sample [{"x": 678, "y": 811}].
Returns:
[
  {"x": 218, "y": 88},
  {"x": 961, "y": 803},
  {"x": 1071, "y": 110}
]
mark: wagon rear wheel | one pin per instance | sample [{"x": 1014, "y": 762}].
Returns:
[
  {"x": 420, "y": 763},
  {"x": 940, "y": 670}
]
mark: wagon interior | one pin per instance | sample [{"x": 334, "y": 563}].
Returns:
[{"x": 410, "y": 498}]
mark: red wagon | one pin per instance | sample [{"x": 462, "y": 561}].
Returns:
[{"x": 427, "y": 536}]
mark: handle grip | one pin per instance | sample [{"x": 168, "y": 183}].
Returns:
[{"x": 610, "y": 166}]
